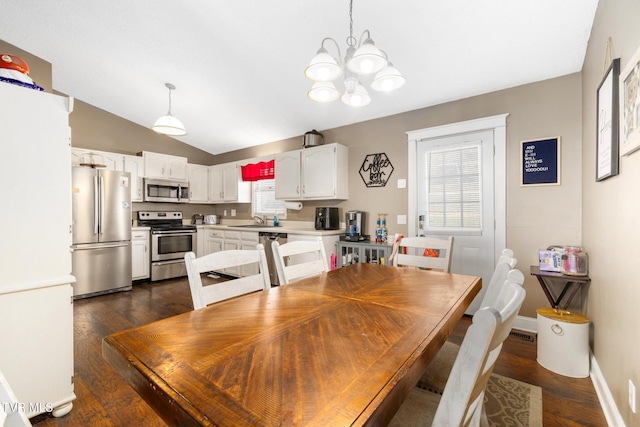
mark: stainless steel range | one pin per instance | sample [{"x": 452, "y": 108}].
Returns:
[{"x": 170, "y": 241}]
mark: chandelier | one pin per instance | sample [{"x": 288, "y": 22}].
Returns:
[{"x": 363, "y": 59}]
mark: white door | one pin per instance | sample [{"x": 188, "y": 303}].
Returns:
[{"x": 457, "y": 185}]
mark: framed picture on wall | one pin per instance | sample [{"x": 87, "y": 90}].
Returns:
[
  {"x": 540, "y": 161},
  {"x": 607, "y": 123},
  {"x": 630, "y": 106}
]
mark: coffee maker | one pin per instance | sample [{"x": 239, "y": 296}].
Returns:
[
  {"x": 355, "y": 224},
  {"x": 327, "y": 219}
]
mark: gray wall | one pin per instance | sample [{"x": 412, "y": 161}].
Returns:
[{"x": 611, "y": 227}]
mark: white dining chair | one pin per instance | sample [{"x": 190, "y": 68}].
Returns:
[
  {"x": 299, "y": 259},
  {"x": 462, "y": 402},
  {"x": 203, "y": 295},
  {"x": 435, "y": 377},
  {"x": 12, "y": 412},
  {"x": 414, "y": 256}
]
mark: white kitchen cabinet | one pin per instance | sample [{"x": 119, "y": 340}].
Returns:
[
  {"x": 135, "y": 166},
  {"x": 111, "y": 161},
  {"x": 226, "y": 186},
  {"x": 140, "y": 257},
  {"x": 164, "y": 166},
  {"x": 232, "y": 242},
  {"x": 249, "y": 241},
  {"x": 287, "y": 175},
  {"x": 213, "y": 241},
  {"x": 320, "y": 174},
  {"x": 198, "y": 183}
]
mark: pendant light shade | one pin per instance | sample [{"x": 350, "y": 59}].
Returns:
[
  {"x": 323, "y": 92},
  {"x": 168, "y": 124},
  {"x": 388, "y": 79},
  {"x": 368, "y": 59},
  {"x": 355, "y": 95},
  {"x": 323, "y": 67}
]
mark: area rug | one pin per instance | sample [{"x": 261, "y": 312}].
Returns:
[{"x": 508, "y": 402}]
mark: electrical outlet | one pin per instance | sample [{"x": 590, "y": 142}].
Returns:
[
  {"x": 233, "y": 212},
  {"x": 225, "y": 212},
  {"x": 402, "y": 219},
  {"x": 632, "y": 396}
]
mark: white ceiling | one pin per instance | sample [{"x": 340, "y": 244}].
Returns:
[{"x": 238, "y": 65}]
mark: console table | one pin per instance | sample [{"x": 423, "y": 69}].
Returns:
[{"x": 571, "y": 285}]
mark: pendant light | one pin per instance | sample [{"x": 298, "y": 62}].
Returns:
[
  {"x": 168, "y": 124},
  {"x": 361, "y": 59}
]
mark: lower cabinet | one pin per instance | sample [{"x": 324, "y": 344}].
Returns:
[
  {"x": 140, "y": 257},
  {"x": 249, "y": 240}
]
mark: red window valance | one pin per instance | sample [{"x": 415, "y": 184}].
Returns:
[{"x": 258, "y": 171}]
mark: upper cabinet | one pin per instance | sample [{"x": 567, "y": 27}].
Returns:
[
  {"x": 226, "y": 186},
  {"x": 287, "y": 175},
  {"x": 135, "y": 166},
  {"x": 87, "y": 157},
  {"x": 164, "y": 166},
  {"x": 198, "y": 183},
  {"x": 318, "y": 173}
]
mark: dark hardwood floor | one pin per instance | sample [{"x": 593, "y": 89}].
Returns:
[{"x": 104, "y": 399}]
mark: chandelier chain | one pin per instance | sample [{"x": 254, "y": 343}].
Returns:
[{"x": 351, "y": 41}]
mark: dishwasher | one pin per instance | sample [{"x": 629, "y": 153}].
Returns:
[{"x": 267, "y": 238}]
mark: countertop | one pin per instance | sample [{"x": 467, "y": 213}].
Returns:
[{"x": 285, "y": 228}]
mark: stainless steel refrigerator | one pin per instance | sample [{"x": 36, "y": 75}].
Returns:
[{"x": 101, "y": 250}]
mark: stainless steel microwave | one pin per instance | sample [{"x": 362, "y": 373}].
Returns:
[{"x": 160, "y": 190}]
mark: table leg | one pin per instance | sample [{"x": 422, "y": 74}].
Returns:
[{"x": 547, "y": 292}]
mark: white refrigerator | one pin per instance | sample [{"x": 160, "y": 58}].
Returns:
[{"x": 36, "y": 304}]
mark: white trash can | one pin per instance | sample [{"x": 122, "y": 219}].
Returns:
[{"x": 563, "y": 342}]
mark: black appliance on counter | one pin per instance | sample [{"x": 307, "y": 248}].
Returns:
[{"x": 327, "y": 219}]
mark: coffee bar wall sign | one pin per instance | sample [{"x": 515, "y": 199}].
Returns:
[
  {"x": 376, "y": 170},
  {"x": 540, "y": 160}
]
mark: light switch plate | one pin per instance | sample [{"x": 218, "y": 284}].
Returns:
[
  {"x": 225, "y": 212},
  {"x": 402, "y": 183},
  {"x": 402, "y": 219},
  {"x": 632, "y": 396}
]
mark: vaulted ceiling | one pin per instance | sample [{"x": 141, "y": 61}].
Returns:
[{"x": 238, "y": 65}]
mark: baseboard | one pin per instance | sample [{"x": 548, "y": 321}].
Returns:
[
  {"x": 527, "y": 324},
  {"x": 611, "y": 413}
]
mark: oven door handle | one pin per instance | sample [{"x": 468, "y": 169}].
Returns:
[{"x": 174, "y": 232}]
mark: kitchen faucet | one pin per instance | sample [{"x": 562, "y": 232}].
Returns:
[{"x": 258, "y": 219}]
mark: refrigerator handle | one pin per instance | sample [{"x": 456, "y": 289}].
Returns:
[
  {"x": 96, "y": 219},
  {"x": 101, "y": 204}
]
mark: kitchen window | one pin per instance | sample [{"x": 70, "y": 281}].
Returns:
[{"x": 264, "y": 202}]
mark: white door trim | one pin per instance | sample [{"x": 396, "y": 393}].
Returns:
[{"x": 499, "y": 126}]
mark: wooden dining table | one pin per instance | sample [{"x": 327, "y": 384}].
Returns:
[{"x": 338, "y": 349}]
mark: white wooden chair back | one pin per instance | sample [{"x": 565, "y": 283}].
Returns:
[
  {"x": 204, "y": 295},
  {"x": 299, "y": 259},
  {"x": 462, "y": 400},
  {"x": 415, "y": 247},
  {"x": 12, "y": 411},
  {"x": 505, "y": 264}
]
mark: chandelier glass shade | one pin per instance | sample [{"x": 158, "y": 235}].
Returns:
[
  {"x": 169, "y": 124},
  {"x": 362, "y": 60}
]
